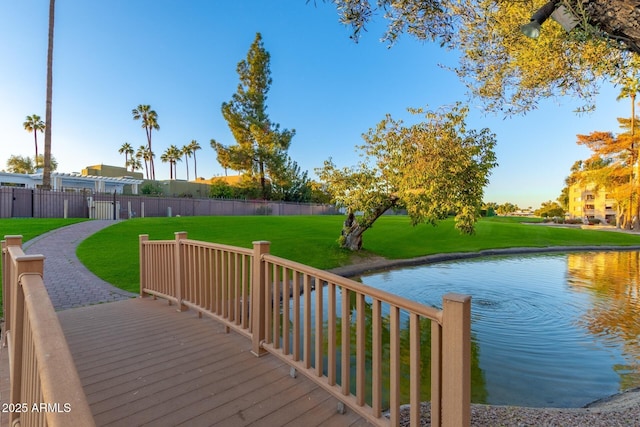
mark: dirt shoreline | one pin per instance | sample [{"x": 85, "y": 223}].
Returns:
[{"x": 621, "y": 409}]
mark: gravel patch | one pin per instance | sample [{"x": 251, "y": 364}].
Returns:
[{"x": 619, "y": 410}]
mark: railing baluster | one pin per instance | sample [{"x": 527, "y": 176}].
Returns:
[
  {"x": 331, "y": 333},
  {"x": 414, "y": 368},
  {"x": 275, "y": 305},
  {"x": 376, "y": 358},
  {"x": 318, "y": 327},
  {"x": 360, "y": 349},
  {"x": 346, "y": 343},
  {"x": 296, "y": 317},
  {"x": 306, "y": 335},
  {"x": 286, "y": 298},
  {"x": 394, "y": 365}
]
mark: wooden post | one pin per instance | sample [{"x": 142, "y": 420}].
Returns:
[
  {"x": 258, "y": 297},
  {"x": 180, "y": 235},
  {"x": 143, "y": 262},
  {"x": 456, "y": 360},
  {"x": 7, "y": 285},
  {"x": 25, "y": 264}
]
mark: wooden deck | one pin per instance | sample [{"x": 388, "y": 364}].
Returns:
[{"x": 143, "y": 363}]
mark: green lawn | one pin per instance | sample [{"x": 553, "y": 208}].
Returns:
[
  {"x": 112, "y": 253},
  {"x": 29, "y": 228}
]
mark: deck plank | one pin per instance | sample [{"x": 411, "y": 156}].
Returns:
[{"x": 143, "y": 363}]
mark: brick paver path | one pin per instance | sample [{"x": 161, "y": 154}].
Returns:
[{"x": 68, "y": 281}]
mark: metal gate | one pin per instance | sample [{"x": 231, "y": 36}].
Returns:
[
  {"x": 103, "y": 209},
  {"x": 22, "y": 204}
]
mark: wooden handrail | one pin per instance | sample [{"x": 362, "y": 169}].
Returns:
[
  {"x": 326, "y": 337},
  {"x": 45, "y": 388}
]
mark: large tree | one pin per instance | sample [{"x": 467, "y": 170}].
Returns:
[
  {"x": 172, "y": 155},
  {"x": 432, "y": 169},
  {"x": 149, "y": 119},
  {"x": 127, "y": 150},
  {"x": 616, "y": 158},
  {"x": 261, "y": 146},
  {"x": 25, "y": 164},
  {"x": 501, "y": 67},
  {"x": 194, "y": 146},
  {"x": 46, "y": 174},
  {"x": 34, "y": 123}
]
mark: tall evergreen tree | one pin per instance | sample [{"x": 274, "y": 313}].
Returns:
[{"x": 261, "y": 146}]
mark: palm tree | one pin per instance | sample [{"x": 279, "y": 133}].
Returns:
[
  {"x": 630, "y": 87},
  {"x": 149, "y": 120},
  {"x": 194, "y": 147},
  {"x": 135, "y": 163},
  {"x": 46, "y": 174},
  {"x": 34, "y": 124},
  {"x": 186, "y": 152},
  {"x": 127, "y": 150},
  {"x": 172, "y": 155},
  {"x": 143, "y": 153}
]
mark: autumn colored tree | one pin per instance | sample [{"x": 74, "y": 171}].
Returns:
[
  {"x": 619, "y": 154},
  {"x": 432, "y": 168},
  {"x": 502, "y": 68},
  {"x": 260, "y": 144}
]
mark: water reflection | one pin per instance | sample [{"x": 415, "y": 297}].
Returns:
[
  {"x": 612, "y": 281},
  {"x": 552, "y": 330},
  {"x": 479, "y": 393}
]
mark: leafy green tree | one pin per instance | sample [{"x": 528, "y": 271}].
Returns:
[
  {"x": 260, "y": 144},
  {"x": 25, "y": 164},
  {"x": 34, "y": 124},
  {"x": 431, "y": 168},
  {"x": 127, "y": 150},
  {"x": 549, "y": 209},
  {"x": 489, "y": 208},
  {"x": 506, "y": 208},
  {"x": 149, "y": 119},
  {"x": 194, "y": 146},
  {"x": 290, "y": 184},
  {"x": 504, "y": 69},
  {"x": 39, "y": 163},
  {"x": 20, "y": 164}
]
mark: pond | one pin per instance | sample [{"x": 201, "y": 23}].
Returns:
[{"x": 557, "y": 330}]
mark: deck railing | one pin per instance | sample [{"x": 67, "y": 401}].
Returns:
[
  {"x": 371, "y": 349},
  {"x": 45, "y": 388}
]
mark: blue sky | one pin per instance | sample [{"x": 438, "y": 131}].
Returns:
[{"x": 180, "y": 57}]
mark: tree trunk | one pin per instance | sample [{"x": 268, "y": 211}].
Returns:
[
  {"x": 352, "y": 230},
  {"x": 46, "y": 174},
  {"x": 351, "y": 234},
  {"x": 618, "y": 18}
]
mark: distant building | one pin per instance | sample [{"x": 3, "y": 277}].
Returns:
[
  {"x": 110, "y": 171},
  {"x": 591, "y": 202},
  {"x": 72, "y": 182}
]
